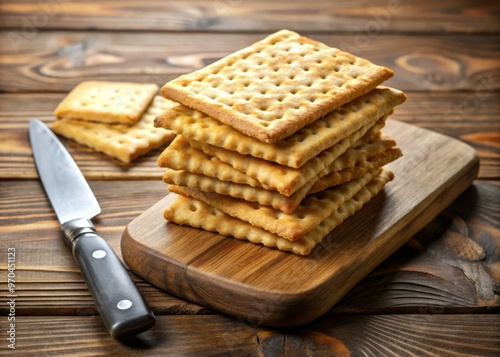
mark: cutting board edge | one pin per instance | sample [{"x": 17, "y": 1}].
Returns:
[{"x": 288, "y": 304}]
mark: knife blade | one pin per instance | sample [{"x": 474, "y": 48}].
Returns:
[{"x": 119, "y": 303}]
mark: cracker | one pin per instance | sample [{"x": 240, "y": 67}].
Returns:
[
  {"x": 179, "y": 155},
  {"x": 311, "y": 211},
  {"x": 188, "y": 211},
  {"x": 276, "y": 86},
  {"x": 335, "y": 178},
  {"x": 248, "y": 193},
  {"x": 107, "y": 102},
  {"x": 284, "y": 179},
  {"x": 354, "y": 163},
  {"x": 298, "y": 148},
  {"x": 361, "y": 152},
  {"x": 121, "y": 141}
]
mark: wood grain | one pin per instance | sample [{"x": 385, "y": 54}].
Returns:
[
  {"x": 447, "y": 113},
  {"x": 370, "y": 335},
  {"x": 445, "y": 54},
  {"x": 422, "y": 276},
  {"x": 278, "y": 287},
  {"x": 379, "y": 16},
  {"x": 58, "y": 61},
  {"x": 419, "y": 334}
]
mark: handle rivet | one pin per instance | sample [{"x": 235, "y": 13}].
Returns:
[
  {"x": 99, "y": 254},
  {"x": 124, "y": 304}
]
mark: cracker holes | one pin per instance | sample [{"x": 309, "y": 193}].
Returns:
[
  {"x": 246, "y": 97},
  {"x": 313, "y": 99}
]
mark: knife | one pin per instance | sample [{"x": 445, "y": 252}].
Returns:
[{"x": 118, "y": 301}]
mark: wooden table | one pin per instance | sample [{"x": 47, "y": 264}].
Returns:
[{"x": 437, "y": 295}]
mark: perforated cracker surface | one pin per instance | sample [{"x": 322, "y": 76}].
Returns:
[
  {"x": 276, "y": 86},
  {"x": 107, "y": 102},
  {"x": 123, "y": 142}
]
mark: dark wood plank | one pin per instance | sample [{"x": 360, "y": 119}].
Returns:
[
  {"x": 429, "y": 274},
  {"x": 371, "y": 335},
  {"x": 48, "y": 279},
  {"x": 440, "y": 283},
  {"x": 57, "y": 61},
  {"x": 467, "y": 116},
  {"x": 171, "y": 336},
  {"x": 237, "y": 15},
  {"x": 418, "y": 334}
]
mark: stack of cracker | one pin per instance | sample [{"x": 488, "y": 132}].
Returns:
[
  {"x": 279, "y": 142},
  {"x": 115, "y": 118}
]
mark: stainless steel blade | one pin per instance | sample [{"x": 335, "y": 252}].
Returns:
[
  {"x": 121, "y": 305},
  {"x": 65, "y": 185}
]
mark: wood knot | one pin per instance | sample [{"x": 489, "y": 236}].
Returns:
[
  {"x": 463, "y": 247},
  {"x": 436, "y": 69}
]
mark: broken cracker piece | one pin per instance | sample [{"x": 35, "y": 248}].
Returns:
[{"x": 123, "y": 142}]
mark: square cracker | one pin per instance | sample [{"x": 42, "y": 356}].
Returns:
[
  {"x": 123, "y": 142},
  {"x": 276, "y": 86},
  {"x": 107, "y": 102},
  {"x": 299, "y": 147},
  {"x": 188, "y": 211},
  {"x": 311, "y": 211}
]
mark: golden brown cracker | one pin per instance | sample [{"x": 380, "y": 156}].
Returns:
[
  {"x": 123, "y": 142},
  {"x": 107, "y": 102},
  {"x": 248, "y": 193},
  {"x": 188, "y": 211},
  {"x": 298, "y": 148},
  {"x": 353, "y": 163},
  {"x": 335, "y": 178},
  {"x": 284, "y": 179},
  {"x": 311, "y": 211},
  {"x": 179, "y": 155},
  {"x": 276, "y": 86}
]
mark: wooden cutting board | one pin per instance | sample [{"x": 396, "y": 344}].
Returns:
[{"x": 270, "y": 287}]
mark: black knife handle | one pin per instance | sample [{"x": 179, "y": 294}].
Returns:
[{"x": 116, "y": 296}]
